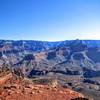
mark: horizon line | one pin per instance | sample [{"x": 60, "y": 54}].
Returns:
[{"x": 49, "y": 40}]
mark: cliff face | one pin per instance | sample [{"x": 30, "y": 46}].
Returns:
[{"x": 70, "y": 57}]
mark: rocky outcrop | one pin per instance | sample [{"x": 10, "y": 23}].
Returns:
[
  {"x": 19, "y": 89},
  {"x": 5, "y": 78}
]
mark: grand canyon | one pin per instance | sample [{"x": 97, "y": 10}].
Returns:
[{"x": 42, "y": 70}]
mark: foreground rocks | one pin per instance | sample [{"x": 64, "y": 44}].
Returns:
[{"x": 19, "y": 89}]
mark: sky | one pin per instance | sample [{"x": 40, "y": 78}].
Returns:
[{"x": 49, "y": 20}]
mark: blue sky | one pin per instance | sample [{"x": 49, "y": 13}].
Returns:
[{"x": 50, "y": 20}]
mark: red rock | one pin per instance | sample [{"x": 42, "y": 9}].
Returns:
[{"x": 22, "y": 91}]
